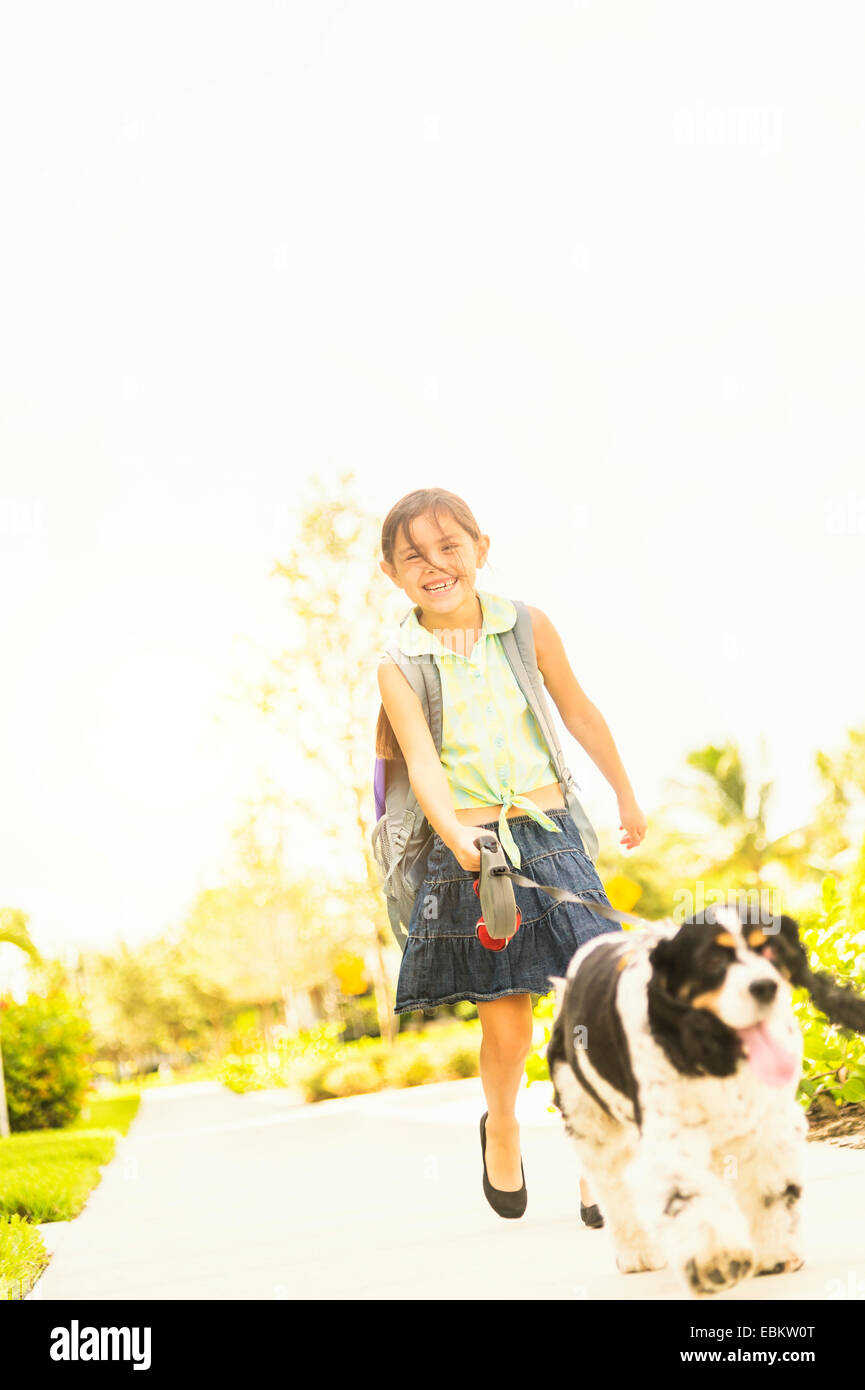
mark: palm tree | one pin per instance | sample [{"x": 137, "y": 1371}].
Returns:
[
  {"x": 841, "y": 814},
  {"x": 13, "y": 929},
  {"x": 724, "y": 795}
]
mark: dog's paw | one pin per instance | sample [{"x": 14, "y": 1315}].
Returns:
[
  {"x": 718, "y": 1270},
  {"x": 639, "y": 1261},
  {"x": 780, "y": 1266}
]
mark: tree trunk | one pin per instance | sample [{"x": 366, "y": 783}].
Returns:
[
  {"x": 266, "y": 1016},
  {"x": 289, "y": 1011},
  {"x": 4, "y": 1112}
]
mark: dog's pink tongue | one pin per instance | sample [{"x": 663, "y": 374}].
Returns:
[{"x": 772, "y": 1062}]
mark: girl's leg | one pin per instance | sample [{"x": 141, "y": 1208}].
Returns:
[
  {"x": 506, "y": 1043},
  {"x": 507, "y": 1040}
]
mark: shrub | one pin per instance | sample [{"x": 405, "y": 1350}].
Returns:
[
  {"x": 353, "y": 1078},
  {"x": 314, "y": 1082},
  {"x": 251, "y": 1066},
  {"x": 536, "y": 1062},
  {"x": 411, "y": 1067},
  {"x": 465, "y": 1009},
  {"x": 369, "y": 1065},
  {"x": 45, "y": 1043},
  {"x": 240, "y": 1074},
  {"x": 462, "y": 1062},
  {"x": 834, "y": 936}
]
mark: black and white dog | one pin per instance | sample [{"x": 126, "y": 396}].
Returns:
[{"x": 675, "y": 1057}]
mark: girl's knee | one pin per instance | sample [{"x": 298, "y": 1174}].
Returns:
[
  {"x": 509, "y": 1016},
  {"x": 509, "y": 1043}
]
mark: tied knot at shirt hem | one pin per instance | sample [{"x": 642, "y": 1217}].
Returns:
[{"x": 531, "y": 808}]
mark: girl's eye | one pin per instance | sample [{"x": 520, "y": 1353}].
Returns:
[{"x": 414, "y": 557}]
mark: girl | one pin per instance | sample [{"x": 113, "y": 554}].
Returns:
[{"x": 494, "y": 772}]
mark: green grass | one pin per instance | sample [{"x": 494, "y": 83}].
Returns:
[
  {"x": 114, "y": 1111},
  {"x": 22, "y": 1257},
  {"x": 47, "y": 1175}
]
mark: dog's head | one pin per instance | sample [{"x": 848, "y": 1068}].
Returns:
[{"x": 719, "y": 994}]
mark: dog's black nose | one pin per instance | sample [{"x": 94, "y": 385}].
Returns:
[{"x": 764, "y": 990}]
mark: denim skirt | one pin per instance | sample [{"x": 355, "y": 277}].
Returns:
[{"x": 443, "y": 959}]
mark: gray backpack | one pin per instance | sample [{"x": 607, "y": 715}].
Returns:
[{"x": 403, "y": 837}]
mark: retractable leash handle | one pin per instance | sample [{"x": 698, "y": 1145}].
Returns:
[{"x": 500, "y": 917}]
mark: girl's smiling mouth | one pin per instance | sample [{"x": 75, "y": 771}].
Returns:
[{"x": 440, "y": 586}]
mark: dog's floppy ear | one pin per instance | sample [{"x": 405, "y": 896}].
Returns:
[
  {"x": 788, "y": 954},
  {"x": 661, "y": 958},
  {"x": 695, "y": 1041},
  {"x": 840, "y": 1003}
]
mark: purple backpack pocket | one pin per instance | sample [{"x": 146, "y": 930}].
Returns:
[{"x": 378, "y": 787}]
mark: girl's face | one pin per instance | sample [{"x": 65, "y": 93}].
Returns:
[{"x": 447, "y": 579}]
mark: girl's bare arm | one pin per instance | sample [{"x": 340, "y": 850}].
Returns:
[
  {"x": 426, "y": 774},
  {"x": 585, "y": 722}
]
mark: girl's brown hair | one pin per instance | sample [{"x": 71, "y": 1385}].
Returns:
[{"x": 423, "y": 501}]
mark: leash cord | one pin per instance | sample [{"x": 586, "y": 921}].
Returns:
[{"x": 561, "y": 895}]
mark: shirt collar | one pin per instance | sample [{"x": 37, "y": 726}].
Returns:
[{"x": 499, "y": 615}]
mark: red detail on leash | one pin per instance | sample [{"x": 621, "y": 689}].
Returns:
[{"x": 491, "y": 943}]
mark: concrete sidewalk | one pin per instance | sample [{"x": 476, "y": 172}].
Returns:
[{"x": 212, "y": 1195}]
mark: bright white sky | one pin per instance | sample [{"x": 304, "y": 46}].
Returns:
[{"x": 595, "y": 266}]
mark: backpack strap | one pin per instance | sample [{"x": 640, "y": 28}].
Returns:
[
  {"x": 422, "y": 675},
  {"x": 519, "y": 647}
]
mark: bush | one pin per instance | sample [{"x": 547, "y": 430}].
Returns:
[
  {"x": 323, "y": 1068},
  {"x": 315, "y": 1082},
  {"x": 465, "y": 1009},
  {"x": 250, "y": 1073},
  {"x": 353, "y": 1078},
  {"x": 463, "y": 1062},
  {"x": 834, "y": 937},
  {"x": 251, "y": 1066},
  {"x": 45, "y": 1046},
  {"x": 442, "y": 1054},
  {"x": 411, "y": 1066},
  {"x": 536, "y": 1062}
]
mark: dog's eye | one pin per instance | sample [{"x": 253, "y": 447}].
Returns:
[
  {"x": 757, "y": 940},
  {"x": 764, "y": 951},
  {"x": 722, "y": 955}
]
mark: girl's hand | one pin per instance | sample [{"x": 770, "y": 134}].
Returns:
[
  {"x": 632, "y": 822},
  {"x": 465, "y": 851}
]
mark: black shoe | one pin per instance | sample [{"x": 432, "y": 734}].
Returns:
[
  {"x": 591, "y": 1216},
  {"x": 505, "y": 1203}
]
